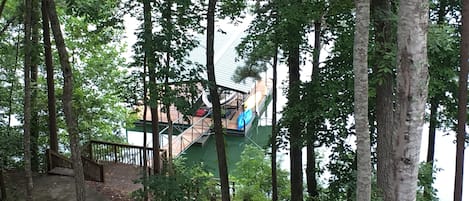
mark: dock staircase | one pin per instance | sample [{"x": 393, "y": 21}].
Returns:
[{"x": 198, "y": 132}]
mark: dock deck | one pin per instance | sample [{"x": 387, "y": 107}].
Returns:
[{"x": 199, "y": 126}]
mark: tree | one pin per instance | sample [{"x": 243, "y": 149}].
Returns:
[
  {"x": 384, "y": 79},
  {"x": 217, "y": 126},
  {"x": 52, "y": 119},
  {"x": 27, "y": 99},
  {"x": 292, "y": 46},
  {"x": 412, "y": 89},
  {"x": 462, "y": 103},
  {"x": 360, "y": 66},
  {"x": 70, "y": 118},
  {"x": 150, "y": 55}
]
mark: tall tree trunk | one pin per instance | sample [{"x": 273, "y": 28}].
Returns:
[
  {"x": 3, "y": 190},
  {"x": 167, "y": 15},
  {"x": 145, "y": 107},
  {"x": 148, "y": 47},
  {"x": 462, "y": 103},
  {"x": 296, "y": 165},
  {"x": 360, "y": 68},
  {"x": 274, "y": 127},
  {"x": 412, "y": 91},
  {"x": 311, "y": 181},
  {"x": 34, "y": 76},
  {"x": 67, "y": 99},
  {"x": 27, "y": 99},
  {"x": 219, "y": 139},
  {"x": 432, "y": 129},
  {"x": 382, "y": 15},
  {"x": 2, "y": 6},
  {"x": 52, "y": 119}
]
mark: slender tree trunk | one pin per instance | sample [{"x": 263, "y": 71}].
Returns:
[
  {"x": 3, "y": 190},
  {"x": 145, "y": 107},
  {"x": 462, "y": 103},
  {"x": 274, "y": 127},
  {"x": 2, "y": 6},
  {"x": 360, "y": 68},
  {"x": 52, "y": 119},
  {"x": 219, "y": 139},
  {"x": 296, "y": 164},
  {"x": 148, "y": 47},
  {"x": 384, "y": 97},
  {"x": 412, "y": 90},
  {"x": 294, "y": 127},
  {"x": 34, "y": 76},
  {"x": 311, "y": 181},
  {"x": 432, "y": 130},
  {"x": 27, "y": 100},
  {"x": 67, "y": 99},
  {"x": 167, "y": 16}
]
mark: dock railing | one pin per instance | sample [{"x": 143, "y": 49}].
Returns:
[
  {"x": 120, "y": 153},
  {"x": 93, "y": 171}
]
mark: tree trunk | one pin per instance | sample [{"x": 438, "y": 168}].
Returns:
[
  {"x": 462, "y": 103},
  {"x": 2, "y": 6},
  {"x": 360, "y": 68},
  {"x": 274, "y": 127},
  {"x": 34, "y": 75},
  {"x": 384, "y": 96},
  {"x": 296, "y": 164},
  {"x": 167, "y": 16},
  {"x": 3, "y": 190},
  {"x": 432, "y": 130},
  {"x": 27, "y": 99},
  {"x": 412, "y": 90},
  {"x": 67, "y": 99},
  {"x": 145, "y": 107},
  {"x": 311, "y": 181},
  {"x": 148, "y": 47},
  {"x": 219, "y": 139},
  {"x": 52, "y": 119}
]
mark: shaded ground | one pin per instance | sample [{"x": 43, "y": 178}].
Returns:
[{"x": 117, "y": 186}]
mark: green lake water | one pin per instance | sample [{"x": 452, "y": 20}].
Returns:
[{"x": 207, "y": 154}]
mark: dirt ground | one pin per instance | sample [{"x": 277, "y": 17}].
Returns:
[{"x": 118, "y": 185}]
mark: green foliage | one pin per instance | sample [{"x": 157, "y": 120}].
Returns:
[
  {"x": 426, "y": 178},
  {"x": 187, "y": 183},
  {"x": 254, "y": 176}
]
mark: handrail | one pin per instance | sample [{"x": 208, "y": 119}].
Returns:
[
  {"x": 92, "y": 170},
  {"x": 180, "y": 138},
  {"x": 121, "y": 153}
]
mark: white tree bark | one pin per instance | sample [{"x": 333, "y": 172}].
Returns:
[
  {"x": 360, "y": 68},
  {"x": 412, "y": 90}
]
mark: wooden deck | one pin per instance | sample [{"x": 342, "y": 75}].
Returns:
[{"x": 200, "y": 126}]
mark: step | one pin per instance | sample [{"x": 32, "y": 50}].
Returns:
[
  {"x": 61, "y": 171},
  {"x": 202, "y": 140}
]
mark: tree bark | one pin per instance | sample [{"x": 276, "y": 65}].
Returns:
[
  {"x": 296, "y": 165},
  {"x": 2, "y": 6},
  {"x": 382, "y": 13},
  {"x": 274, "y": 127},
  {"x": 3, "y": 190},
  {"x": 145, "y": 107},
  {"x": 412, "y": 91},
  {"x": 34, "y": 76},
  {"x": 311, "y": 181},
  {"x": 360, "y": 68},
  {"x": 67, "y": 99},
  {"x": 148, "y": 47},
  {"x": 27, "y": 99},
  {"x": 432, "y": 130},
  {"x": 462, "y": 103},
  {"x": 219, "y": 139},
  {"x": 52, "y": 114}
]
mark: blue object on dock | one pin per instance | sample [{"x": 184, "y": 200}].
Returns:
[{"x": 244, "y": 119}]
